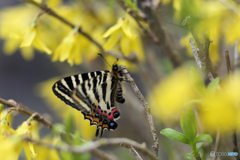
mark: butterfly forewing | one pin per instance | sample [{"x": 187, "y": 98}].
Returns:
[{"x": 94, "y": 94}]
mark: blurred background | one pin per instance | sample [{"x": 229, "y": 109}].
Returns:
[{"x": 28, "y": 78}]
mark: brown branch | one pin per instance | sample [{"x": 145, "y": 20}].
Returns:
[
  {"x": 90, "y": 146},
  {"x": 202, "y": 52},
  {"x": 146, "y": 107},
  {"x": 229, "y": 68},
  {"x": 23, "y": 109},
  {"x": 201, "y": 61}
]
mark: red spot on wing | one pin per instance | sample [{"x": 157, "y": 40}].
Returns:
[{"x": 111, "y": 116}]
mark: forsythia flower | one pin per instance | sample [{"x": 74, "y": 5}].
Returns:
[
  {"x": 69, "y": 49},
  {"x": 220, "y": 109},
  {"x": 26, "y": 130},
  {"x": 31, "y": 38},
  {"x": 171, "y": 95},
  {"x": 128, "y": 41}
]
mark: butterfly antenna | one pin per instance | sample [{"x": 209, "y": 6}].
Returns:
[
  {"x": 116, "y": 61},
  {"x": 104, "y": 59}
]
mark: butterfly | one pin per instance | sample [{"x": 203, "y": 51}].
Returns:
[{"x": 95, "y": 95}]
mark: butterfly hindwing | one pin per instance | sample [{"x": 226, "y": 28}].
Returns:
[
  {"x": 95, "y": 95},
  {"x": 101, "y": 92}
]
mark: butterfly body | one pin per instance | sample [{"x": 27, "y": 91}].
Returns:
[{"x": 94, "y": 94}]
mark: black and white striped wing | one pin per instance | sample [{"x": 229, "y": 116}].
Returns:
[{"x": 94, "y": 94}]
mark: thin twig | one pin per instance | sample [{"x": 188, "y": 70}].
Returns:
[
  {"x": 146, "y": 107},
  {"x": 135, "y": 153},
  {"x": 217, "y": 143},
  {"x": 103, "y": 155},
  {"x": 23, "y": 109},
  {"x": 201, "y": 62},
  {"x": 90, "y": 146},
  {"x": 229, "y": 68},
  {"x": 235, "y": 148}
]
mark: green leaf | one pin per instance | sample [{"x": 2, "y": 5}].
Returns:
[
  {"x": 58, "y": 128},
  {"x": 66, "y": 155},
  {"x": 199, "y": 145},
  {"x": 189, "y": 156},
  {"x": 213, "y": 85},
  {"x": 203, "y": 138},
  {"x": 189, "y": 124},
  {"x": 69, "y": 123},
  {"x": 69, "y": 128},
  {"x": 175, "y": 135}
]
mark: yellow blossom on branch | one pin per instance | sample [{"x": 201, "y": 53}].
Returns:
[
  {"x": 69, "y": 49},
  {"x": 31, "y": 38},
  {"x": 171, "y": 96},
  {"x": 26, "y": 129},
  {"x": 121, "y": 33}
]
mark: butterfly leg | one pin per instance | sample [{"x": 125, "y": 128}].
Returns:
[{"x": 119, "y": 96}]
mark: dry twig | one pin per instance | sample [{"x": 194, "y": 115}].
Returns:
[
  {"x": 146, "y": 107},
  {"x": 23, "y": 109}
]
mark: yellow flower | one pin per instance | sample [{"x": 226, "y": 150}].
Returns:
[
  {"x": 69, "y": 49},
  {"x": 31, "y": 38},
  {"x": 26, "y": 130},
  {"x": 63, "y": 110},
  {"x": 5, "y": 129},
  {"x": 171, "y": 95},
  {"x": 14, "y": 36},
  {"x": 10, "y": 148},
  {"x": 128, "y": 41},
  {"x": 220, "y": 109}
]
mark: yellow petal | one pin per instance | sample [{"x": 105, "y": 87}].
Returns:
[
  {"x": 10, "y": 45},
  {"x": 112, "y": 40},
  {"x": 27, "y": 53},
  {"x": 125, "y": 45},
  {"x": 126, "y": 29},
  {"x": 113, "y": 29},
  {"x": 38, "y": 44},
  {"x": 29, "y": 37}
]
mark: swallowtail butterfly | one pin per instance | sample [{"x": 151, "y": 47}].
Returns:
[{"x": 94, "y": 94}]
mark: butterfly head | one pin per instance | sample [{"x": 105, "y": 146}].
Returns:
[{"x": 116, "y": 70}]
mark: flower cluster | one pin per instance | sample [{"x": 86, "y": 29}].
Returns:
[
  {"x": 13, "y": 141},
  {"x": 31, "y": 30}
]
